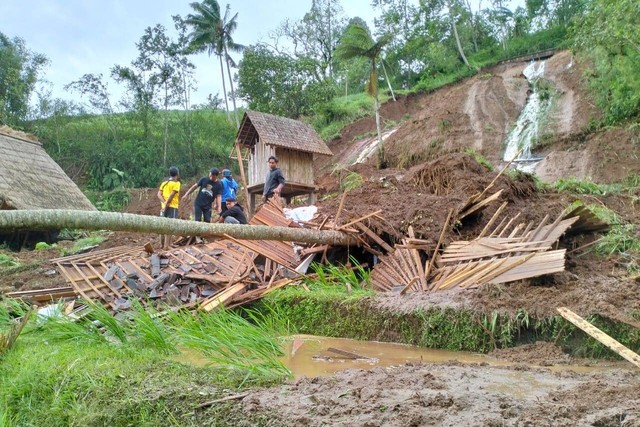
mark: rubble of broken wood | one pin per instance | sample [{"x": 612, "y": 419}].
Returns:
[
  {"x": 506, "y": 252},
  {"x": 233, "y": 272}
]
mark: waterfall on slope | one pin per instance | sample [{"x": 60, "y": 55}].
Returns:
[{"x": 526, "y": 131}]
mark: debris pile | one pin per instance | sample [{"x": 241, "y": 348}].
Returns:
[{"x": 232, "y": 272}]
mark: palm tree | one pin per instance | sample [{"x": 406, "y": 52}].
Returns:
[
  {"x": 224, "y": 44},
  {"x": 205, "y": 23},
  {"x": 358, "y": 43}
]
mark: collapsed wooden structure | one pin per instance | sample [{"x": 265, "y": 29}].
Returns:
[{"x": 232, "y": 272}]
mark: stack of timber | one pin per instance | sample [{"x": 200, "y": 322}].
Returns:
[{"x": 505, "y": 252}]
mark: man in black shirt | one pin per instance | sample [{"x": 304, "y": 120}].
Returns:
[
  {"x": 234, "y": 213},
  {"x": 208, "y": 196},
  {"x": 274, "y": 181}
]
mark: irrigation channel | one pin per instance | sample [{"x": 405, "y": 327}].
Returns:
[{"x": 314, "y": 356}]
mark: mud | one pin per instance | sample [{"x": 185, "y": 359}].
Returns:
[{"x": 453, "y": 395}]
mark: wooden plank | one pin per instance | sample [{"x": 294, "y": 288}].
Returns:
[
  {"x": 245, "y": 184},
  {"x": 418, "y": 261},
  {"x": 359, "y": 219},
  {"x": 222, "y": 297},
  {"x": 600, "y": 336},
  {"x": 492, "y": 220},
  {"x": 429, "y": 266},
  {"x": 374, "y": 237},
  {"x": 478, "y": 206},
  {"x": 340, "y": 206}
]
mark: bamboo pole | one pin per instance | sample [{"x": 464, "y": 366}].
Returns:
[{"x": 245, "y": 184}]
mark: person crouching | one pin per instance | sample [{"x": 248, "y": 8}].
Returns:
[{"x": 234, "y": 213}]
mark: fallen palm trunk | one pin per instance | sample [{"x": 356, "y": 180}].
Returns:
[{"x": 90, "y": 220}]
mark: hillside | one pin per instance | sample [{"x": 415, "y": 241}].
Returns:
[{"x": 479, "y": 112}]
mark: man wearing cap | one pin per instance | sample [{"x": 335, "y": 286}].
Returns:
[
  {"x": 234, "y": 213},
  {"x": 208, "y": 197},
  {"x": 229, "y": 187},
  {"x": 274, "y": 181}
]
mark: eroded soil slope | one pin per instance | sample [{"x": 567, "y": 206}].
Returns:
[{"x": 479, "y": 113}]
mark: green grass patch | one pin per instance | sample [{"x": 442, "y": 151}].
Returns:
[
  {"x": 587, "y": 186},
  {"x": 123, "y": 371},
  {"x": 621, "y": 239},
  {"x": 339, "y": 112},
  {"x": 480, "y": 159},
  {"x": 111, "y": 201},
  {"x": 84, "y": 244},
  {"x": 7, "y": 261}
]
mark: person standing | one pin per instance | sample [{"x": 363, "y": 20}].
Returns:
[
  {"x": 208, "y": 197},
  {"x": 229, "y": 188},
  {"x": 274, "y": 181},
  {"x": 168, "y": 194},
  {"x": 234, "y": 213}
]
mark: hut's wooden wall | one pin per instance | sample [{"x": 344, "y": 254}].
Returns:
[
  {"x": 296, "y": 166},
  {"x": 258, "y": 166}
]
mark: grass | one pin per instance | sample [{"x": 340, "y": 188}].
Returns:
[
  {"x": 622, "y": 239},
  {"x": 341, "y": 111},
  {"x": 103, "y": 370},
  {"x": 587, "y": 186},
  {"x": 112, "y": 201},
  {"x": 347, "y": 180},
  {"x": 83, "y": 244},
  {"x": 7, "y": 261},
  {"x": 480, "y": 159}
]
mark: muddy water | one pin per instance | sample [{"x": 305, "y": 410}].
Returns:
[{"x": 313, "y": 356}]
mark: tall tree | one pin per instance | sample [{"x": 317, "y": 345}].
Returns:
[
  {"x": 398, "y": 17},
  {"x": 454, "y": 26},
  {"x": 212, "y": 33},
  {"x": 156, "y": 58},
  {"x": 314, "y": 38},
  {"x": 225, "y": 44},
  {"x": 357, "y": 42},
  {"x": 204, "y": 24},
  {"x": 280, "y": 84},
  {"x": 19, "y": 74}
]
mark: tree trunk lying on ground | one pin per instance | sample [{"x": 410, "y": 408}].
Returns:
[{"x": 52, "y": 219}]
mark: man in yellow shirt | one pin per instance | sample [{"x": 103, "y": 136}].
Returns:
[{"x": 170, "y": 200}]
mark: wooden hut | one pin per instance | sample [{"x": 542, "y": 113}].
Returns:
[
  {"x": 32, "y": 180},
  {"x": 294, "y": 143}
]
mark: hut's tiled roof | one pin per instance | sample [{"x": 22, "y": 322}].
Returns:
[
  {"x": 30, "y": 179},
  {"x": 280, "y": 132}
]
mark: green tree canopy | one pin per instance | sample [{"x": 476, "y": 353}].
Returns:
[{"x": 19, "y": 74}]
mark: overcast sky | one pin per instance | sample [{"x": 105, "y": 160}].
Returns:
[{"x": 90, "y": 36}]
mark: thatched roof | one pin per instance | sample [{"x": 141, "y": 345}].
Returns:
[
  {"x": 30, "y": 179},
  {"x": 280, "y": 132}
]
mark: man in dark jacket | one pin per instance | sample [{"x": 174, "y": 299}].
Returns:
[
  {"x": 234, "y": 213},
  {"x": 274, "y": 181},
  {"x": 208, "y": 197}
]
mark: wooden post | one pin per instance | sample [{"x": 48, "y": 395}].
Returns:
[
  {"x": 599, "y": 335},
  {"x": 242, "y": 175}
]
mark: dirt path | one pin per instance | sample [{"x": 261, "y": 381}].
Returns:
[{"x": 454, "y": 395}]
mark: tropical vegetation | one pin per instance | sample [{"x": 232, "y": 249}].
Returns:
[{"x": 315, "y": 68}]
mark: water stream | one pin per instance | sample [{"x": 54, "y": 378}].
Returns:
[{"x": 527, "y": 129}]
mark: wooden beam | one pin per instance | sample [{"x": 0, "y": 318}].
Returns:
[
  {"x": 244, "y": 178},
  {"x": 599, "y": 335}
]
